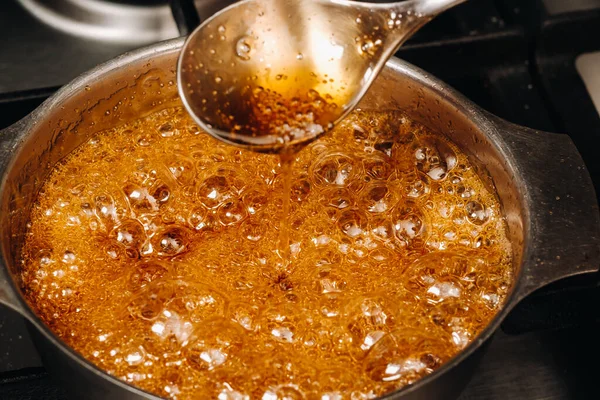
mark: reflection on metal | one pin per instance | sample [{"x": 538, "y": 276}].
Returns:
[
  {"x": 588, "y": 66},
  {"x": 106, "y": 21}
]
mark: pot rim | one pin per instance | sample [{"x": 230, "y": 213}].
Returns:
[{"x": 483, "y": 120}]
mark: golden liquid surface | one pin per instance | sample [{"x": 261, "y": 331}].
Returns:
[{"x": 152, "y": 251}]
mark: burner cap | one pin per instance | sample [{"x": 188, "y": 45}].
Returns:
[{"x": 121, "y": 21}]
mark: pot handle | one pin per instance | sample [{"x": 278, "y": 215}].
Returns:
[
  {"x": 8, "y": 293},
  {"x": 564, "y": 221}
]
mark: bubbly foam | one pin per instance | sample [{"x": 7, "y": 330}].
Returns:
[{"x": 152, "y": 251}]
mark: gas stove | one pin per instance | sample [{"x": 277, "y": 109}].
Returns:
[{"x": 534, "y": 62}]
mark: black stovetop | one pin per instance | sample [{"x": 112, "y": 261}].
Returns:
[{"x": 515, "y": 58}]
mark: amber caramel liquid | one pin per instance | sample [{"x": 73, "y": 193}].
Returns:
[
  {"x": 271, "y": 119},
  {"x": 286, "y": 162},
  {"x": 152, "y": 251}
]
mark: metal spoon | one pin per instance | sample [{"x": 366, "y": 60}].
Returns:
[{"x": 275, "y": 74}]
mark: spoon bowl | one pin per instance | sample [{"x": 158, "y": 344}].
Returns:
[{"x": 271, "y": 75}]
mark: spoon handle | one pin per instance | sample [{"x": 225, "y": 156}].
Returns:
[
  {"x": 185, "y": 14},
  {"x": 411, "y": 14}
]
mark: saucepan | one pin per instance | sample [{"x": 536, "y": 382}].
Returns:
[{"x": 546, "y": 193}]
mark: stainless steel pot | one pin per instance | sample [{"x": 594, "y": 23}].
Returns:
[{"x": 545, "y": 190}]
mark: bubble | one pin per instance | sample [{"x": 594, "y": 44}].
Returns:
[
  {"x": 147, "y": 305},
  {"x": 300, "y": 189},
  {"x": 382, "y": 228},
  {"x": 45, "y": 257},
  {"x": 335, "y": 381},
  {"x": 243, "y": 47},
  {"x": 331, "y": 302},
  {"x": 282, "y": 334},
  {"x": 202, "y": 220},
  {"x": 333, "y": 169},
  {"x": 385, "y": 147},
  {"x": 167, "y": 130},
  {"x": 382, "y": 255},
  {"x": 442, "y": 289},
  {"x": 328, "y": 255},
  {"x": 193, "y": 129},
  {"x": 211, "y": 348},
  {"x": 173, "y": 381},
  {"x": 175, "y": 305},
  {"x": 105, "y": 208},
  {"x": 172, "y": 241},
  {"x": 369, "y": 47},
  {"x": 130, "y": 234},
  {"x": 246, "y": 315},
  {"x": 213, "y": 191},
  {"x": 231, "y": 212},
  {"x": 456, "y": 317},
  {"x": 367, "y": 315},
  {"x": 253, "y": 231},
  {"x": 417, "y": 188},
  {"x": 284, "y": 392},
  {"x": 358, "y": 395},
  {"x": 370, "y": 339},
  {"x": 477, "y": 213},
  {"x": 491, "y": 300},
  {"x": 223, "y": 184},
  {"x": 182, "y": 168},
  {"x": 461, "y": 337},
  {"x": 408, "y": 223},
  {"x": 435, "y": 159},
  {"x": 161, "y": 194},
  {"x": 338, "y": 198},
  {"x": 78, "y": 189},
  {"x": 197, "y": 301},
  {"x": 255, "y": 200},
  {"x": 68, "y": 257},
  {"x": 144, "y": 140},
  {"x": 136, "y": 356},
  {"x": 445, "y": 264},
  {"x": 329, "y": 282},
  {"x": 166, "y": 337},
  {"x": 140, "y": 200},
  {"x": 280, "y": 322},
  {"x": 343, "y": 342},
  {"x": 145, "y": 273},
  {"x": 87, "y": 210},
  {"x": 445, "y": 209},
  {"x": 113, "y": 251},
  {"x": 378, "y": 167},
  {"x": 404, "y": 356},
  {"x": 229, "y": 394},
  {"x": 352, "y": 222},
  {"x": 377, "y": 198}
]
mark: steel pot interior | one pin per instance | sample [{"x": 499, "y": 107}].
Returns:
[{"x": 142, "y": 82}]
